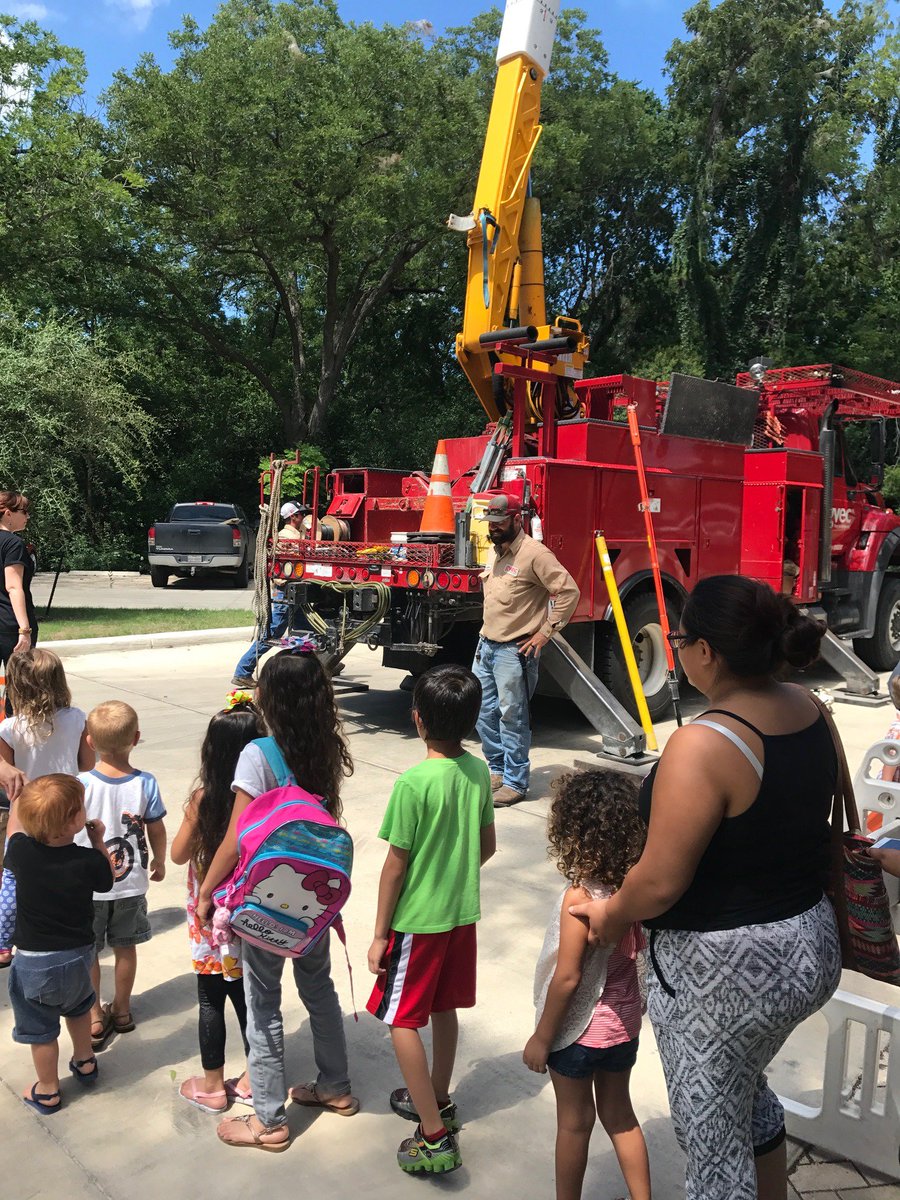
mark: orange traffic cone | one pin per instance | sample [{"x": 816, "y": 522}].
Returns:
[{"x": 437, "y": 515}]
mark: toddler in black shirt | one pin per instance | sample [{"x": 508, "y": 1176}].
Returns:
[{"x": 50, "y": 975}]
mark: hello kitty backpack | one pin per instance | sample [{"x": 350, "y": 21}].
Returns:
[{"x": 293, "y": 872}]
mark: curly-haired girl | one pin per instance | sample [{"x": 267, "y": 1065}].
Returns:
[
  {"x": 297, "y": 703},
  {"x": 588, "y": 998}
]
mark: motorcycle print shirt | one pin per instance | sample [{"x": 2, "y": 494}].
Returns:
[{"x": 126, "y": 806}]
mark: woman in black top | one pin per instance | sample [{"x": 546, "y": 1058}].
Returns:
[
  {"x": 744, "y": 944},
  {"x": 18, "y": 622}
]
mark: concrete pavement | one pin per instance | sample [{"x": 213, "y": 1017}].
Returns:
[{"x": 134, "y": 1139}]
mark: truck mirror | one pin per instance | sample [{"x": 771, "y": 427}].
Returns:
[{"x": 877, "y": 444}]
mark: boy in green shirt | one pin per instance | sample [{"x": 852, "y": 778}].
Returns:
[{"x": 440, "y": 828}]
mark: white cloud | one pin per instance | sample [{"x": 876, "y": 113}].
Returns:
[
  {"x": 27, "y": 12},
  {"x": 139, "y": 12}
]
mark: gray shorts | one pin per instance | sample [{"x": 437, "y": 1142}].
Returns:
[
  {"x": 121, "y": 922},
  {"x": 45, "y": 987}
]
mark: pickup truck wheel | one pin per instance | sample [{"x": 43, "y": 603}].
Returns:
[
  {"x": 642, "y": 618},
  {"x": 882, "y": 650},
  {"x": 159, "y": 576},
  {"x": 242, "y": 575}
]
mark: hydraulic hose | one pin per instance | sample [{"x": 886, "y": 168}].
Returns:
[{"x": 348, "y": 634}]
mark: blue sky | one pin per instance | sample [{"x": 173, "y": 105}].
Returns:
[{"x": 114, "y": 33}]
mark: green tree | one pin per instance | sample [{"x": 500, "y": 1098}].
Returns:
[
  {"x": 769, "y": 102},
  {"x": 74, "y": 439},
  {"x": 294, "y": 166},
  {"x": 59, "y": 188}
]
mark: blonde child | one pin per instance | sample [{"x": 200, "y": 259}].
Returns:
[
  {"x": 46, "y": 736},
  {"x": 217, "y": 967},
  {"x": 588, "y": 997},
  {"x": 297, "y": 703},
  {"x": 128, "y": 803},
  {"x": 51, "y": 973}
]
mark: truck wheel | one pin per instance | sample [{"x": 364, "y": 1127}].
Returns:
[
  {"x": 882, "y": 650},
  {"x": 159, "y": 576},
  {"x": 642, "y": 617},
  {"x": 242, "y": 575}
]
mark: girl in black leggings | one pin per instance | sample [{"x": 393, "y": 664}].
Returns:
[{"x": 217, "y": 966}]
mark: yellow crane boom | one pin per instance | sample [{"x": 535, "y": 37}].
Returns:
[{"x": 505, "y": 283}]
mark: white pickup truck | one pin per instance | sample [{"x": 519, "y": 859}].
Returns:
[{"x": 199, "y": 537}]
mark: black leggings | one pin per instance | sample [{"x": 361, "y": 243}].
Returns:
[{"x": 211, "y": 993}]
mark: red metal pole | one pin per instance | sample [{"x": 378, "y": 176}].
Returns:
[{"x": 634, "y": 430}]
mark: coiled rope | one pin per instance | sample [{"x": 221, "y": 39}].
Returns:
[{"x": 266, "y": 538}]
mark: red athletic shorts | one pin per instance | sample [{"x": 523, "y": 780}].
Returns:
[{"x": 426, "y": 973}]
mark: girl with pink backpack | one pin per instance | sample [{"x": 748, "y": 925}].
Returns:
[{"x": 306, "y": 750}]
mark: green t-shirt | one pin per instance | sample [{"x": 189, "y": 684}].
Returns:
[{"x": 437, "y": 811}]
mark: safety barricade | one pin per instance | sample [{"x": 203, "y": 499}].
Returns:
[
  {"x": 859, "y": 1114},
  {"x": 878, "y": 797}
]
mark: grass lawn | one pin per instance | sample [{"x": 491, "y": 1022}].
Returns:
[{"x": 66, "y": 623}]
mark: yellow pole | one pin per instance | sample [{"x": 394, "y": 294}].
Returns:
[{"x": 625, "y": 639}]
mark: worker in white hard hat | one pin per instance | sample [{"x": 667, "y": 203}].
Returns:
[
  {"x": 528, "y": 596},
  {"x": 292, "y": 513}
]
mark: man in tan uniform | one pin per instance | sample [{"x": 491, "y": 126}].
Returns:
[{"x": 528, "y": 596}]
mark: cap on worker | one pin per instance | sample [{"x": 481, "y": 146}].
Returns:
[
  {"x": 291, "y": 508},
  {"x": 500, "y": 507}
]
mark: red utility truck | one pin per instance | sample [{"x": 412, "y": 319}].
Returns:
[{"x": 788, "y": 509}]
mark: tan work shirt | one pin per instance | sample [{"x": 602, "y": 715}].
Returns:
[{"x": 519, "y": 581}]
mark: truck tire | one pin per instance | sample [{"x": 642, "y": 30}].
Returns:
[
  {"x": 242, "y": 575},
  {"x": 642, "y": 617},
  {"x": 159, "y": 576},
  {"x": 882, "y": 650}
]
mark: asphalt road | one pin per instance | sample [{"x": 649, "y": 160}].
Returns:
[{"x": 98, "y": 589}]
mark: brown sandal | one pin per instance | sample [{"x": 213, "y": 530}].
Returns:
[
  {"x": 307, "y": 1095},
  {"x": 242, "y": 1134},
  {"x": 105, "y": 1024},
  {"x": 121, "y": 1022}
]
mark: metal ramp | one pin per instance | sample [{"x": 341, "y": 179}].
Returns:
[
  {"x": 622, "y": 737},
  {"x": 861, "y": 682}
]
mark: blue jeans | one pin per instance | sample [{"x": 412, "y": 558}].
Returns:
[
  {"x": 507, "y": 683},
  {"x": 278, "y": 623},
  {"x": 265, "y": 1029}
]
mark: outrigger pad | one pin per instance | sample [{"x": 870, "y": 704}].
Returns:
[{"x": 712, "y": 411}]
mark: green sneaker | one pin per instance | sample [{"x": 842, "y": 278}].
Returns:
[
  {"x": 437, "y": 1158},
  {"x": 401, "y": 1103}
]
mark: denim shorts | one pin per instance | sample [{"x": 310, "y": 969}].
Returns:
[
  {"x": 580, "y": 1062},
  {"x": 121, "y": 922},
  {"x": 45, "y": 987}
]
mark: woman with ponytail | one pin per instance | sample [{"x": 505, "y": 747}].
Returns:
[{"x": 743, "y": 942}]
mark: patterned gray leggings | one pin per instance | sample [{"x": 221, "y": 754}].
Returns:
[{"x": 738, "y": 995}]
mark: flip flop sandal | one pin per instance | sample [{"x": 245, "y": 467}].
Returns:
[
  {"x": 99, "y": 1040},
  {"x": 90, "y": 1079},
  {"x": 37, "y": 1101},
  {"x": 313, "y": 1100},
  {"x": 194, "y": 1096},
  {"x": 250, "y": 1139},
  {"x": 233, "y": 1092}
]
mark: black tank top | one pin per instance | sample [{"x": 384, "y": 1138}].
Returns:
[{"x": 770, "y": 862}]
